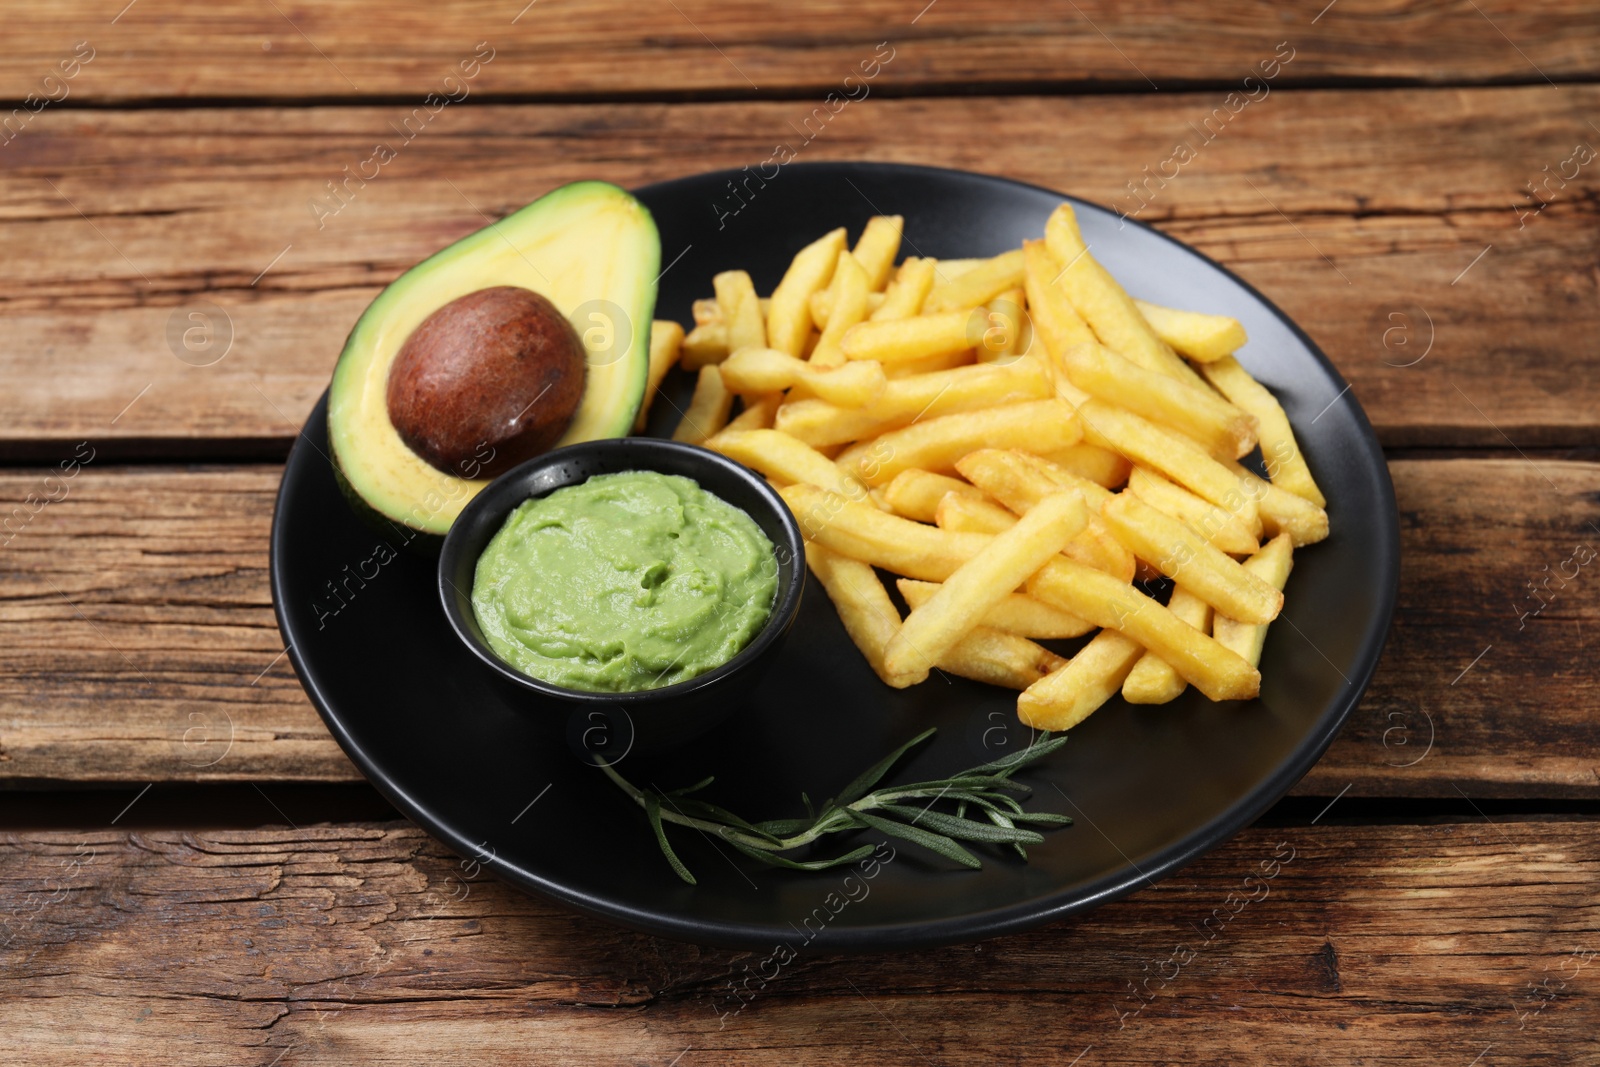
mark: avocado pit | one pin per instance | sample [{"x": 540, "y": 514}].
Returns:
[{"x": 486, "y": 381}]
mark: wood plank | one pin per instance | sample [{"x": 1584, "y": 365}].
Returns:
[
  {"x": 369, "y": 943},
  {"x": 163, "y": 49},
  {"x": 137, "y": 641},
  {"x": 1333, "y": 203}
]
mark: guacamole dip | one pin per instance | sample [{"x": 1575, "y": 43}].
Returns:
[{"x": 625, "y": 582}]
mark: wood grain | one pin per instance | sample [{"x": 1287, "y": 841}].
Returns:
[
  {"x": 369, "y": 943},
  {"x": 164, "y": 49},
  {"x": 1368, "y": 216},
  {"x": 137, "y": 641}
]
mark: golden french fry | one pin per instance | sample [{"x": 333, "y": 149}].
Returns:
[
  {"x": 948, "y": 270},
  {"x": 1285, "y": 463},
  {"x": 915, "y": 494},
  {"x": 1096, "y": 597},
  {"x": 1272, "y": 565},
  {"x": 1169, "y": 454},
  {"x": 849, "y": 307},
  {"x": 1065, "y": 697},
  {"x": 1152, "y": 680},
  {"x": 1016, "y": 613},
  {"x": 905, "y": 400},
  {"x": 972, "y": 515},
  {"x": 999, "y": 658},
  {"x": 1055, "y": 320},
  {"x": 766, "y": 370},
  {"x": 1223, "y": 530},
  {"x": 1019, "y": 481},
  {"x": 706, "y": 312},
  {"x": 822, "y": 302},
  {"x": 877, "y": 248},
  {"x": 869, "y": 616},
  {"x": 979, "y": 584},
  {"x": 1197, "y": 335},
  {"x": 936, "y": 444},
  {"x": 1107, "y": 308},
  {"x": 789, "y": 314},
  {"x": 708, "y": 409},
  {"x": 665, "y": 339},
  {"x": 1193, "y": 410},
  {"x": 740, "y": 308},
  {"x": 902, "y": 340},
  {"x": 930, "y": 364},
  {"x": 758, "y": 413},
  {"x": 777, "y": 455},
  {"x": 906, "y": 294},
  {"x": 1091, "y": 463},
  {"x": 862, "y": 531},
  {"x": 704, "y": 346},
  {"x": 979, "y": 285},
  {"x": 1281, "y": 510},
  {"x": 997, "y": 331},
  {"x": 1180, "y": 553}
]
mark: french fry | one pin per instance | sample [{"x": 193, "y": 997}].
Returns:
[
  {"x": 930, "y": 364},
  {"x": 966, "y": 514},
  {"x": 708, "y": 409},
  {"x": 999, "y": 658},
  {"x": 1055, "y": 320},
  {"x": 779, "y": 456},
  {"x": 1199, "y": 336},
  {"x": 1096, "y": 597},
  {"x": 861, "y": 531},
  {"x": 1283, "y": 511},
  {"x": 1180, "y": 553},
  {"x": 1098, "y": 465},
  {"x": 1104, "y": 305},
  {"x": 789, "y": 314},
  {"x": 766, "y": 370},
  {"x": 979, "y": 584},
  {"x": 704, "y": 346},
  {"x": 915, "y": 494},
  {"x": 869, "y": 616},
  {"x": 1176, "y": 457},
  {"x": 936, "y": 444},
  {"x": 1285, "y": 463},
  {"x": 1065, "y": 697},
  {"x": 877, "y": 248},
  {"x": 903, "y": 340},
  {"x": 1223, "y": 530},
  {"x": 850, "y": 287},
  {"x": 979, "y": 285},
  {"x": 1019, "y": 481},
  {"x": 1001, "y": 333},
  {"x": 905, "y": 400},
  {"x": 906, "y": 294},
  {"x": 758, "y": 413},
  {"x": 665, "y": 339},
  {"x": 1272, "y": 565},
  {"x": 948, "y": 270},
  {"x": 740, "y": 308},
  {"x": 1152, "y": 680},
  {"x": 706, "y": 312},
  {"x": 1195, "y": 411},
  {"x": 1016, "y": 613}
]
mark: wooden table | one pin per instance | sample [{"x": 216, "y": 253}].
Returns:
[{"x": 192, "y": 871}]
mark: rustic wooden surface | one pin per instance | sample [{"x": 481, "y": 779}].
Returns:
[
  {"x": 1341, "y": 205},
  {"x": 1440, "y": 907},
  {"x": 237, "y": 49},
  {"x": 142, "y": 597},
  {"x": 368, "y": 943}
]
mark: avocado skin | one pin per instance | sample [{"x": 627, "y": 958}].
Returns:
[{"x": 583, "y": 246}]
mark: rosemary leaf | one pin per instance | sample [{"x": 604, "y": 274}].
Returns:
[{"x": 933, "y": 842}]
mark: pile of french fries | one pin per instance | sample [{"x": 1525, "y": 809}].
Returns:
[{"x": 1018, "y": 442}]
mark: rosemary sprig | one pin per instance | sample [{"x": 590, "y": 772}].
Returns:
[{"x": 984, "y": 810}]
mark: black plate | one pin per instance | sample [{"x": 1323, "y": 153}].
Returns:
[{"x": 1151, "y": 788}]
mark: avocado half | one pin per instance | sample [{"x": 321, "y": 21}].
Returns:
[{"x": 577, "y": 245}]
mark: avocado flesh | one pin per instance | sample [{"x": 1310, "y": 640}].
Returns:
[{"x": 585, "y": 242}]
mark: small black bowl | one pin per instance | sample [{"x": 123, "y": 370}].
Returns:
[{"x": 650, "y": 720}]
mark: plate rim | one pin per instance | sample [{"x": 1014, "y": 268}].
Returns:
[{"x": 970, "y": 926}]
